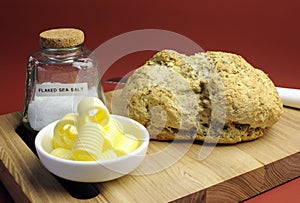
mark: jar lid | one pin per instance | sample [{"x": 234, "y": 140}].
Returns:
[{"x": 61, "y": 38}]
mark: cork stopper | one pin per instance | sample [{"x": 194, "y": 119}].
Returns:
[{"x": 61, "y": 38}]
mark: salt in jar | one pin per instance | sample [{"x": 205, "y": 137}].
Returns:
[{"x": 58, "y": 76}]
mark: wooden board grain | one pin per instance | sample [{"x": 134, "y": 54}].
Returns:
[{"x": 230, "y": 173}]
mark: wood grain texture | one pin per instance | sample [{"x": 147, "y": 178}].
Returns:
[{"x": 230, "y": 173}]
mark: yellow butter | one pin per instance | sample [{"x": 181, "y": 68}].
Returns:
[
  {"x": 128, "y": 144},
  {"x": 107, "y": 155},
  {"x": 89, "y": 143},
  {"x": 62, "y": 153},
  {"x": 65, "y": 131},
  {"x": 113, "y": 134},
  {"x": 91, "y": 134},
  {"x": 92, "y": 109}
]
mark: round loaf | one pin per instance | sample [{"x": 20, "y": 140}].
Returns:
[
  {"x": 212, "y": 97},
  {"x": 251, "y": 95}
]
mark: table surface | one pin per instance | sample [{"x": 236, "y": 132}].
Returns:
[
  {"x": 283, "y": 193},
  {"x": 261, "y": 164},
  {"x": 262, "y": 31}
]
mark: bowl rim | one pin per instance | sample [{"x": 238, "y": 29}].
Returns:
[{"x": 144, "y": 144}]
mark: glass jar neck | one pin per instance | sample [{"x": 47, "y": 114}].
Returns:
[
  {"x": 62, "y": 51},
  {"x": 62, "y": 54}
]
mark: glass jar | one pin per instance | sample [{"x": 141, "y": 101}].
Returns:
[{"x": 58, "y": 76}]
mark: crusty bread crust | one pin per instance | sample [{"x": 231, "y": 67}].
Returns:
[
  {"x": 251, "y": 95},
  {"x": 213, "y": 97}
]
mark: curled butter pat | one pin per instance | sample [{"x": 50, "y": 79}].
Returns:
[
  {"x": 92, "y": 109},
  {"x": 113, "y": 134},
  {"x": 62, "y": 153},
  {"x": 89, "y": 143},
  {"x": 65, "y": 131},
  {"x": 107, "y": 155},
  {"x": 128, "y": 144}
]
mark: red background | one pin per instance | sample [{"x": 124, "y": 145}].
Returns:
[{"x": 265, "y": 32}]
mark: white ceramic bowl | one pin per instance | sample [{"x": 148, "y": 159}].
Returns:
[{"x": 93, "y": 171}]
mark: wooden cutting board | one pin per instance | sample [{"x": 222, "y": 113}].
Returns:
[{"x": 230, "y": 173}]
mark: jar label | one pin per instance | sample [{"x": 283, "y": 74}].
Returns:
[{"x": 59, "y": 89}]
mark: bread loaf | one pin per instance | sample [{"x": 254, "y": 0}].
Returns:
[{"x": 212, "y": 96}]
